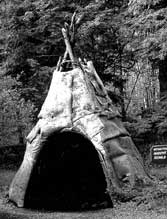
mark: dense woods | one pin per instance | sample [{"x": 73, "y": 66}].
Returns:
[{"x": 126, "y": 40}]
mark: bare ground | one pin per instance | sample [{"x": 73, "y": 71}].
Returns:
[{"x": 152, "y": 204}]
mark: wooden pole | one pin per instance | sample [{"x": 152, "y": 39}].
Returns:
[
  {"x": 58, "y": 64},
  {"x": 100, "y": 83},
  {"x": 68, "y": 46},
  {"x": 64, "y": 59}
]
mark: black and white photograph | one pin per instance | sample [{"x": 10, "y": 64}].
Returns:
[{"x": 83, "y": 109}]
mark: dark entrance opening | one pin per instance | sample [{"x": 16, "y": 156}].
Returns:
[{"x": 67, "y": 176}]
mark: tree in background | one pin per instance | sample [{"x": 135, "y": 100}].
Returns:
[
  {"x": 103, "y": 37},
  {"x": 114, "y": 34},
  {"x": 16, "y": 115},
  {"x": 125, "y": 40},
  {"x": 148, "y": 20},
  {"x": 35, "y": 42}
]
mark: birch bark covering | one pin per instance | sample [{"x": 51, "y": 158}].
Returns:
[{"x": 78, "y": 102}]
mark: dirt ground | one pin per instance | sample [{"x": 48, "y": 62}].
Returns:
[{"x": 152, "y": 204}]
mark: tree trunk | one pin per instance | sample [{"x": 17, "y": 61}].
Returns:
[{"x": 163, "y": 77}]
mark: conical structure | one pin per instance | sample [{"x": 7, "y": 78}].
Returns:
[{"x": 78, "y": 103}]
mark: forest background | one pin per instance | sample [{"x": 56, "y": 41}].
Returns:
[{"x": 125, "y": 39}]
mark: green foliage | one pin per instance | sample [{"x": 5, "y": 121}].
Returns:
[
  {"x": 115, "y": 35},
  {"x": 150, "y": 128},
  {"x": 34, "y": 45},
  {"x": 148, "y": 20},
  {"x": 104, "y": 38},
  {"x": 34, "y": 41},
  {"x": 16, "y": 115}
]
